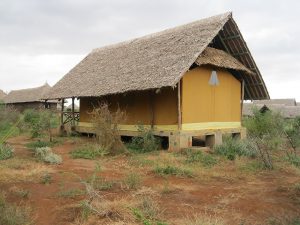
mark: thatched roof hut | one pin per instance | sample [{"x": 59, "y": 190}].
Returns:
[
  {"x": 287, "y": 110},
  {"x": 161, "y": 59},
  {"x": 27, "y": 95},
  {"x": 2, "y": 95},
  {"x": 30, "y": 98},
  {"x": 286, "y": 102}
]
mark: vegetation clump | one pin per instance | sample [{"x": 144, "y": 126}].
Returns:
[
  {"x": 233, "y": 147},
  {"x": 6, "y": 151},
  {"x": 11, "y": 214},
  {"x": 199, "y": 157},
  {"x": 172, "y": 170},
  {"x": 40, "y": 122},
  {"x": 106, "y": 128},
  {"x": 45, "y": 154},
  {"x": 270, "y": 132},
  {"x": 89, "y": 151},
  {"x": 145, "y": 141}
]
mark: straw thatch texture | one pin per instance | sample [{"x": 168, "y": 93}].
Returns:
[
  {"x": 286, "y": 111},
  {"x": 219, "y": 58},
  {"x": 2, "y": 95},
  {"x": 153, "y": 61},
  {"x": 286, "y": 102},
  {"x": 27, "y": 95}
]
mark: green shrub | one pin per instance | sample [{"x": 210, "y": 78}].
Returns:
[
  {"x": 39, "y": 144},
  {"x": 267, "y": 131},
  {"x": 145, "y": 141},
  {"x": 199, "y": 157},
  {"x": 9, "y": 122},
  {"x": 11, "y": 214},
  {"x": 232, "y": 147},
  {"x": 40, "y": 122},
  {"x": 88, "y": 151},
  {"x": 45, "y": 154},
  {"x": 172, "y": 170},
  {"x": 292, "y": 130},
  {"x": 6, "y": 151},
  {"x": 294, "y": 160}
]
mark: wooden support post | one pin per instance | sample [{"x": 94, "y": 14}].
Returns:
[
  {"x": 73, "y": 114},
  {"x": 62, "y": 127},
  {"x": 62, "y": 112},
  {"x": 242, "y": 97},
  {"x": 179, "y": 104},
  {"x": 151, "y": 108}
]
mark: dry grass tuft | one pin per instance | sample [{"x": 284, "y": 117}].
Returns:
[{"x": 20, "y": 170}]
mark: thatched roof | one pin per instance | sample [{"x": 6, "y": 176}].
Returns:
[
  {"x": 157, "y": 60},
  {"x": 287, "y": 102},
  {"x": 27, "y": 95},
  {"x": 219, "y": 58},
  {"x": 285, "y": 110},
  {"x": 2, "y": 95}
]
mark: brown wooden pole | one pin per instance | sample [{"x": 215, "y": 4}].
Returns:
[
  {"x": 242, "y": 97},
  {"x": 62, "y": 112},
  {"x": 179, "y": 104},
  {"x": 73, "y": 113},
  {"x": 151, "y": 109}
]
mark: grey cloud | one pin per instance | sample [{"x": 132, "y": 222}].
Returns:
[{"x": 64, "y": 31}]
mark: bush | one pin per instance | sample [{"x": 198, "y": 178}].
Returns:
[
  {"x": 199, "y": 157},
  {"x": 294, "y": 160},
  {"x": 232, "y": 147},
  {"x": 145, "y": 141},
  {"x": 40, "y": 122},
  {"x": 267, "y": 132},
  {"x": 172, "y": 170},
  {"x": 9, "y": 122},
  {"x": 6, "y": 151},
  {"x": 292, "y": 131},
  {"x": 45, "y": 154},
  {"x": 106, "y": 127},
  {"x": 39, "y": 144},
  {"x": 133, "y": 180},
  {"x": 13, "y": 215},
  {"x": 88, "y": 151}
]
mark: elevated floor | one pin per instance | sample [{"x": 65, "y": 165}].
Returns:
[{"x": 211, "y": 132}]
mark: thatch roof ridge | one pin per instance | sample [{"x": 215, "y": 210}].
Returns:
[
  {"x": 149, "y": 62},
  {"x": 226, "y": 15},
  {"x": 27, "y": 94}
]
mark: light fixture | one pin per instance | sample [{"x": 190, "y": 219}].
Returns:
[{"x": 214, "y": 81}]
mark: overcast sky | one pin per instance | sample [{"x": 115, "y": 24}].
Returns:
[{"x": 42, "y": 40}]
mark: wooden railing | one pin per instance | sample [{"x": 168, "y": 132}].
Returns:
[{"x": 68, "y": 117}]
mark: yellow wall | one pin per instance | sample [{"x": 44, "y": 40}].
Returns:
[
  {"x": 203, "y": 106},
  {"x": 137, "y": 106},
  {"x": 202, "y": 102}
]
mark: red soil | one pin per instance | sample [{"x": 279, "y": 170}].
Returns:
[{"x": 253, "y": 200}]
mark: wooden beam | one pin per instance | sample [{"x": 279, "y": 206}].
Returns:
[
  {"x": 179, "y": 105},
  {"x": 231, "y": 37},
  {"x": 242, "y": 97},
  {"x": 151, "y": 108},
  {"x": 62, "y": 112},
  {"x": 73, "y": 112}
]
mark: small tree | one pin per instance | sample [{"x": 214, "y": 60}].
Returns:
[
  {"x": 267, "y": 131},
  {"x": 106, "y": 127},
  {"x": 39, "y": 122}
]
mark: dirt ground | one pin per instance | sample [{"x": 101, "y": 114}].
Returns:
[{"x": 224, "y": 194}]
